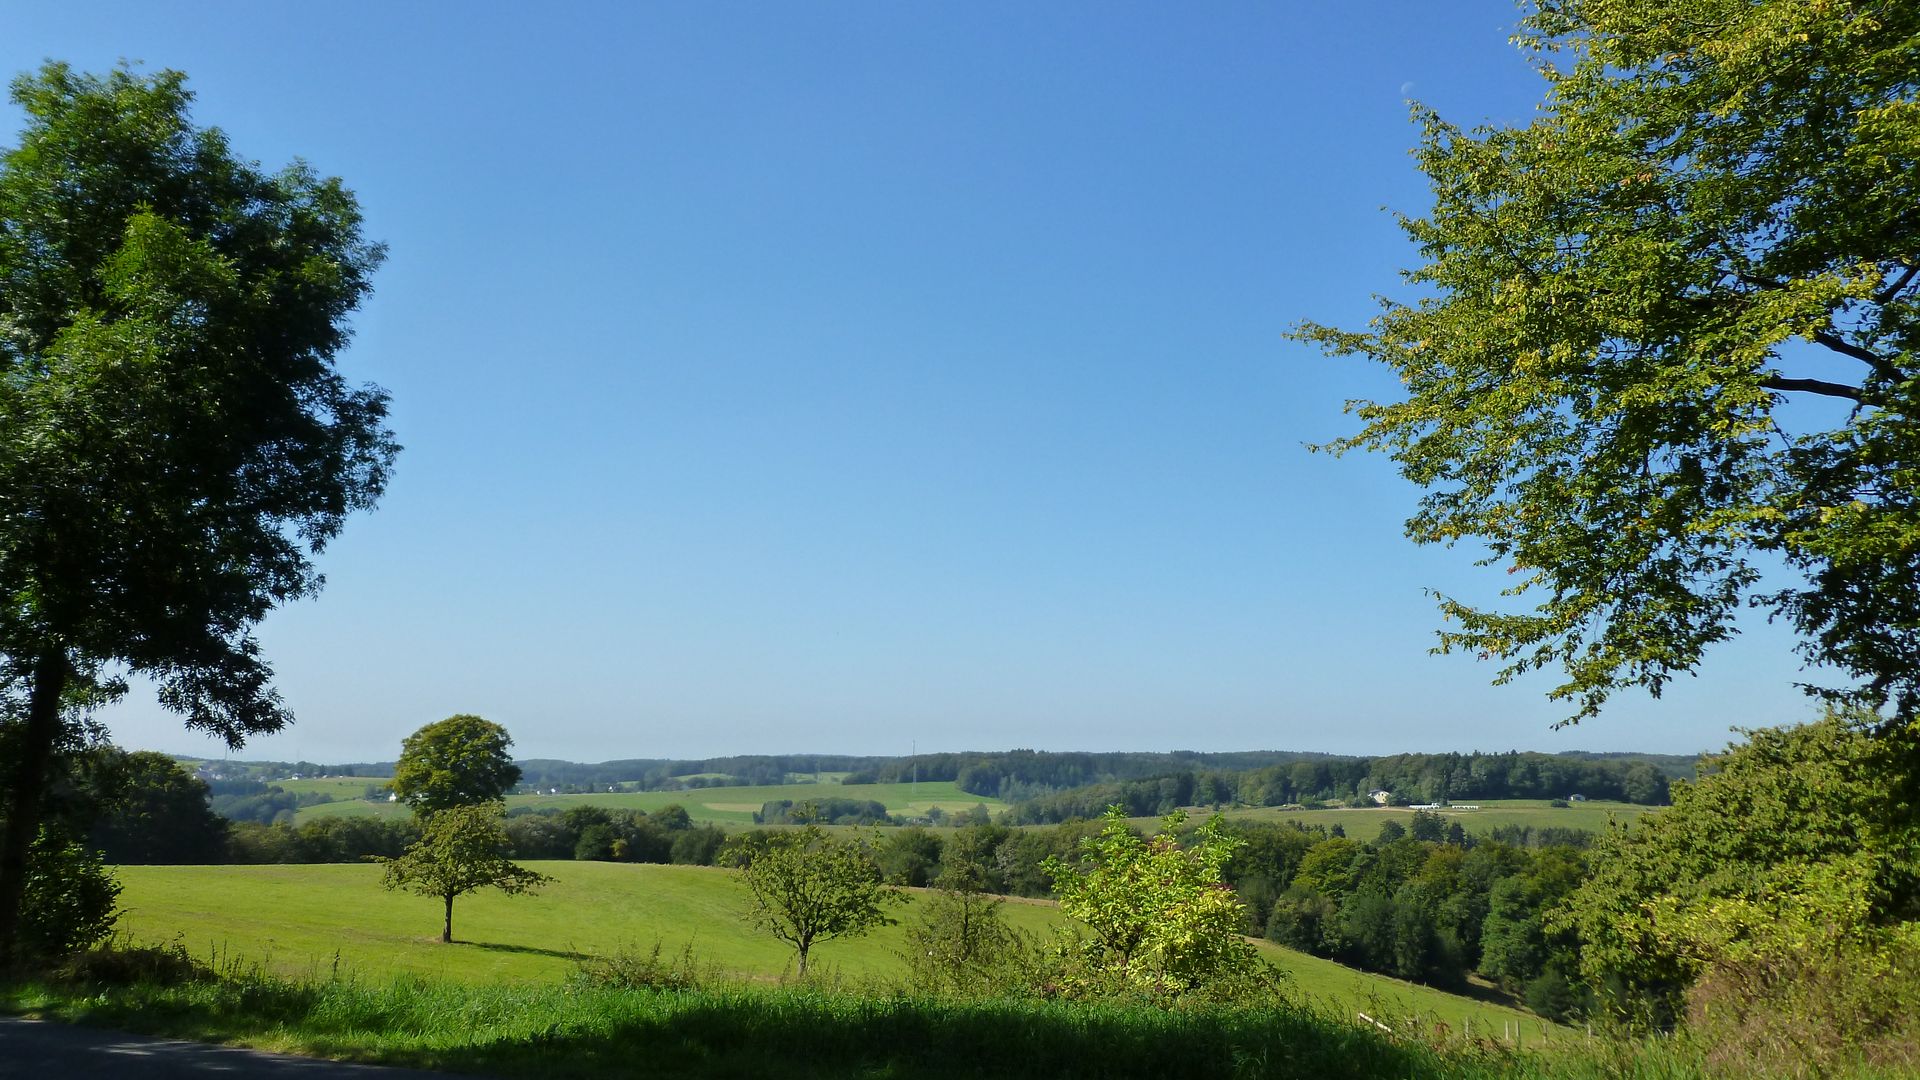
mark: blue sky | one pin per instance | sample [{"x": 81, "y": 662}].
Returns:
[{"x": 840, "y": 376}]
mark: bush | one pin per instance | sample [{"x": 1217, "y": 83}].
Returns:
[
  {"x": 1160, "y": 918},
  {"x": 1815, "y": 1013},
  {"x": 961, "y": 945},
  {"x": 134, "y": 965},
  {"x": 70, "y": 897},
  {"x": 628, "y": 970}
]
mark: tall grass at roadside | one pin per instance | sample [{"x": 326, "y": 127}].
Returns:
[
  {"x": 720, "y": 1031},
  {"x": 613, "y": 1020}
]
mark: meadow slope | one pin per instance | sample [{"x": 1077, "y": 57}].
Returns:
[{"x": 319, "y": 919}]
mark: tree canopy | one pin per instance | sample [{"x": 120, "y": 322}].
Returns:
[
  {"x": 1799, "y": 840},
  {"x": 175, "y": 440},
  {"x": 459, "y": 761},
  {"x": 1628, "y": 311}
]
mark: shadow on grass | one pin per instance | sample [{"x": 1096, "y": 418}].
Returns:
[
  {"x": 722, "y": 1034},
  {"x": 494, "y": 946}
]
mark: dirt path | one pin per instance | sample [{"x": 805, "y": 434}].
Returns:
[{"x": 38, "y": 1050}]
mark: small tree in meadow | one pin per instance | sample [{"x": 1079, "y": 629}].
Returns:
[
  {"x": 1162, "y": 917},
  {"x": 810, "y": 887},
  {"x": 960, "y": 941},
  {"x": 459, "y": 851}
]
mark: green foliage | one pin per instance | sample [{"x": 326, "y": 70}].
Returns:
[
  {"x": 175, "y": 441},
  {"x": 70, "y": 899},
  {"x": 456, "y": 762},
  {"x": 459, "y": 851},
  {"x": 1160, "y": 917},
  {"x": 825, "y": 810},
  {"x": 1629, "y": 302},
  {"x": 909, "y": 856},
  {"x": 1517, "y": 946},
  {"x": 1815, "y": 1012},
  {"x": 170, "y": 411},
  {"x": 154, "y": 811},
  {"x": 960, "y": 943},
  {"x": 810, "y": 887},
  {"x": 1801, "y": 842}
]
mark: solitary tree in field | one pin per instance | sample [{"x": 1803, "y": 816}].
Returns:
[
  {"x": 1631, "y": 312},
  {"x": 459, "y": 851},
  {"x": 175, "y": 442},
  {"x": 459, "y": 761},
  {"x": 809, "y": 887}
]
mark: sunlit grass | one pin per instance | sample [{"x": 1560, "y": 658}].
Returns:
[{"x": 300, "y": 919}]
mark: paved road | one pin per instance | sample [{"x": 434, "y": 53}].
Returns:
[{"x": 37, "y": 1050}]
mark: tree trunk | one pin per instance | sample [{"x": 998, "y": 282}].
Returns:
[
  {"x": 446, "y": 933},
  {"x": 29, "y": 785},
  {"x": 803, "y": 957}
]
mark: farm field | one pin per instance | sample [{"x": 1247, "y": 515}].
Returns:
[
  {"x": 301, "y": 919},
  {"x": 1362, "y": 824},
  {"x": 340, "y": 787},
  {"x": 719, "y": 806}
]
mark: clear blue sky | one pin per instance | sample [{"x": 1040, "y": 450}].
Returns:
[{"x": 834, "y": 376}]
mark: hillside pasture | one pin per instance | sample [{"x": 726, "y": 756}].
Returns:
[
  {"x": 319, "y": 919},
  {"x": 1363, "y": 823},
  {"x": 715, "y": 805},
  {"x": 340, "y": 787}
]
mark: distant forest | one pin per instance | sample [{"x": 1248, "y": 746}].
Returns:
[{"x": 1057, "y": 786}]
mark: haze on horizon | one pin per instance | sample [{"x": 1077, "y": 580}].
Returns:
[{"x": 842, "y": 379}]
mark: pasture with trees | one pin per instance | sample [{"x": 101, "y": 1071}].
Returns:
[{"x": 1627, "y": 314}]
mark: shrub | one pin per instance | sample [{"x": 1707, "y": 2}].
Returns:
[
  {"x": 629, "y": 970},
  {"x": 118, "y": 964},
  {"x": 1816, "y": 1013},
  {"x": 1161, "y": 917},
  {"x": 69, "y": 903}
]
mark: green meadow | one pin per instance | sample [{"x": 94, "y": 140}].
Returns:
[
  {"x": 340, "y": 787},
  {"x": 718, "y": 805},
  {"x": 1364, "y": 823},
  {"x": 327, "y": 919}
]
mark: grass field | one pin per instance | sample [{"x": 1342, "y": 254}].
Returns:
[
  {"x": 299, "y": 919},
  {"x": 340, "y": 787},
  {"x": 1363, "y": 824},
  {"x": 719, "y": 806}
]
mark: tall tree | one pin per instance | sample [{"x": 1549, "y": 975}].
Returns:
[
  {"x": 1631, "y": 309},
  {"x": 175, "y": 441},
  {"x": 152, "y": 810},
  {"x": 459, "y": 761}
]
